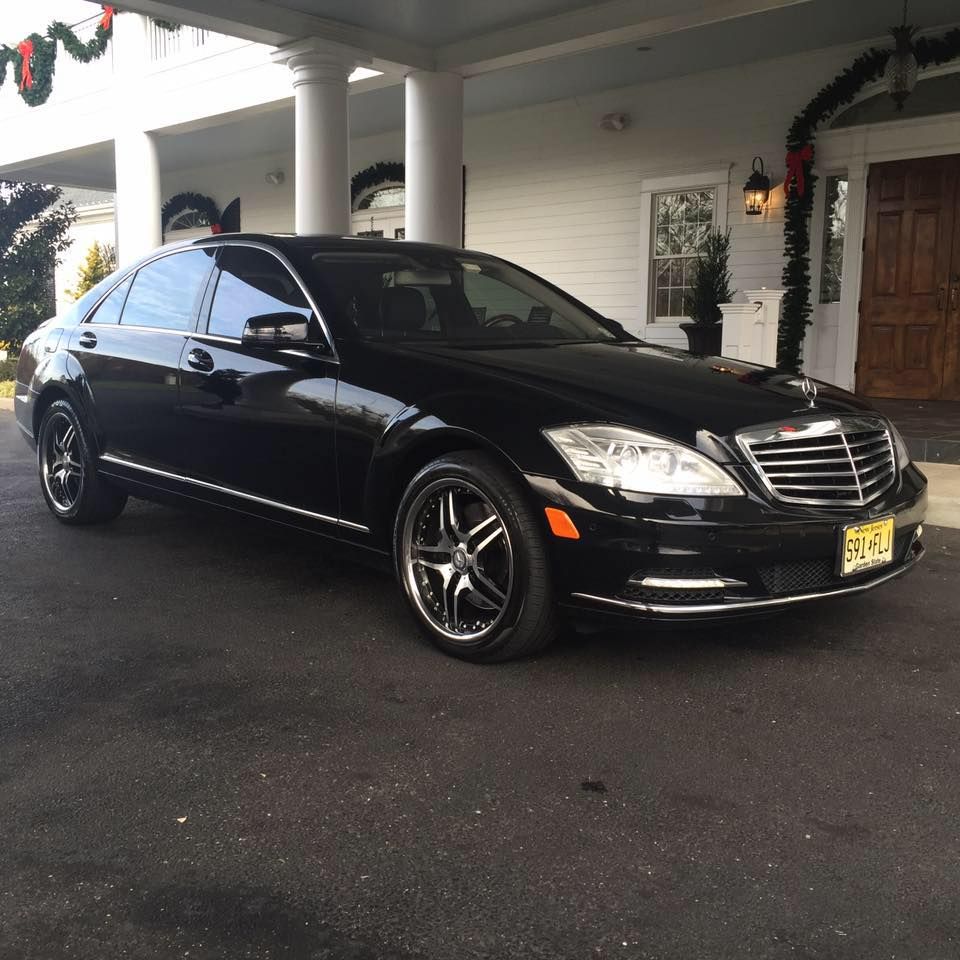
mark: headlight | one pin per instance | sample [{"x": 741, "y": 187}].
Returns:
[
  {"x": 900, "y": 445},
  {"x": 630, "y": 460}
]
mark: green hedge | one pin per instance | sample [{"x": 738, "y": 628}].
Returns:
[{"x": 8, "y": 370}]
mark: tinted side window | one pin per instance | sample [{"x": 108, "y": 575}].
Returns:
[
  {"x": 109, "y": 309},
  {"x": 166, "y": 292},
  {"x": 252, "y": 282}
]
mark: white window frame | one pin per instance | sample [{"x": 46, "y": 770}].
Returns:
[{"x": 717, "y": 180}]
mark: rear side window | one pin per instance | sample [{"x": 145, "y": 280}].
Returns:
[
  {"x": 109, "y": 310},
  {"x": 166, "y": 293},
  {"x": 252, "y": 283}
]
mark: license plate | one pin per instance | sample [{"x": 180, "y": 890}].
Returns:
[{"x": 865, "y": 546}]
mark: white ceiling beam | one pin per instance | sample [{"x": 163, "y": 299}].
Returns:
[
  {"x": 271, "y": 23},
  {"x": 615, "y": 23}
]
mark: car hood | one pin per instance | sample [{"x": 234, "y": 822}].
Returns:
[{"x": 667, "y": 391}]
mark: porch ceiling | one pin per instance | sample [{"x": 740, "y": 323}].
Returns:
[{"x": 478, "y": 38}]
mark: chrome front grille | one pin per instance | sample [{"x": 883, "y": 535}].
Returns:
[{"x": 847, "y": 460}]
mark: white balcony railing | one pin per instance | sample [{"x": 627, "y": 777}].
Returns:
[{"x": 173, "y": 43}]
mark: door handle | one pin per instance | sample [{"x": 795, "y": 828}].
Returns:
[
  {"x": 87, "y": 339},
  {"x": 200, "y": 359},
  {"x": 954, "y": 291}
]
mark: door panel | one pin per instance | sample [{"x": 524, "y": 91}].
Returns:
[
  {"x": 260, "y": 419},
  {"x": 130, "y": 350},
  {"x": 908, "y": 249}
]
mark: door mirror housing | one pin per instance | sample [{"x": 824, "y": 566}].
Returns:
[{"x": 276, "y": 330}]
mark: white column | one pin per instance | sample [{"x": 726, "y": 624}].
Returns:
[
  {"x": 138, "y": 194},
  {"x": 765, "y": 351},
  {"x": 138, "y": 198},
  {"x": 322, "y": 162},
  {"x": 434, "y": 157},
  {"x": 738, "y": 334}
]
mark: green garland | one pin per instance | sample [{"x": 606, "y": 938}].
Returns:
[
  {"x": 191, "y": 201},
  {"x": 167, "y": 25},
  {"x": 43, "y": 61},
  {"x": 840, "y": 91},
  {"x": 386, "y": 171}
]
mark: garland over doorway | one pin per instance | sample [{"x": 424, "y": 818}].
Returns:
[
  {"x": 800, "y": 179},
  {"x": 384, "y": 171}
]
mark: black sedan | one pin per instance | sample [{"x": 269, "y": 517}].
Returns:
[{"x": 514, "y": 452}]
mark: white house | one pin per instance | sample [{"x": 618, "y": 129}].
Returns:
[{"x": 593, "y": 143}]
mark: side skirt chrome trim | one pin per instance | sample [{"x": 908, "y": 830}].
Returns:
[
  {"x": 108, "y": 458},
  {"x": 686, "y": 609}
]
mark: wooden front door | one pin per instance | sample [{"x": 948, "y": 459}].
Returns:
[{"x": 909, "y": 344}]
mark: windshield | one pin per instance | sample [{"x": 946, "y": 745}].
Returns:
[{"x": 382, "y": 295}]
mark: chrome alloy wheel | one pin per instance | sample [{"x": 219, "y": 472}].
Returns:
[
  {"x": 61, "y": 463},
  {"x": 457, "y": 559}
]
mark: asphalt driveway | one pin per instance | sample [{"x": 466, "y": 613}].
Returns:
[{"x": 220, "y": 740}]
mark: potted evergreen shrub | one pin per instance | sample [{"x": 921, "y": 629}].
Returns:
[{"x": 710, "y": 287}]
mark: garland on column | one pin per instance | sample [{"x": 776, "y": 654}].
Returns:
[{"x": 800, "y": 179}]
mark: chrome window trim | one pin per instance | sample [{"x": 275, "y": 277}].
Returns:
[
  {"x": 768, "y": 433},
  {"x": 230, "y": 491},
  {"x": 258, "y": 245},
  {"x": 732, "y": 606}
]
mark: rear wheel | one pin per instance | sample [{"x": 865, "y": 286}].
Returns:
[
  {"x": 471, "y": 559},
  {"x": 74, "y": 491}
]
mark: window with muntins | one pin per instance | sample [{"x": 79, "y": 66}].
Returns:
[
  {"x": 166, "y": 292},
  {"x": 834, "y": 232},
  {"x": 681, "y": 223},
  {"x": 253, "y": 283}
]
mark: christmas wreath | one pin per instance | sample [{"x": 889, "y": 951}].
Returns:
[
  {"x": 800, "y": 179},
  {"x": 208, "y": 213},
  {"x": 386, "y": 171}
]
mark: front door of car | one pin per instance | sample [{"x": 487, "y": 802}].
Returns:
[
  {"x": 258, "y": 418},
  {"x": 129, "y": 350}
]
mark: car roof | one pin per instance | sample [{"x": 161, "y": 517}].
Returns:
[{"x": 321, "y": 241}]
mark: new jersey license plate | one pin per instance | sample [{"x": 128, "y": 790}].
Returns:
[{"x": 864, "y": 546}]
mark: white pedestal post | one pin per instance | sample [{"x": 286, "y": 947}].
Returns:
[
  {"x": 434, "y": 157},
  {"x": 739, "y": 320},
  {"x": 769, "y": 301},
  {"x": 322, "y": 133}
]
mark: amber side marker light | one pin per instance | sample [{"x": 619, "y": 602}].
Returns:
[{"x": 560, "y": 524}]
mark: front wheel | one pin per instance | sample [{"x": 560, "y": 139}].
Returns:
[
  {"x": 471, "y": 558},
  {"x": 74, "y": 491}
]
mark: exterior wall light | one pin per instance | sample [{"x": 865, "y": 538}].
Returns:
[
  {"x": 900, "y": 73},
  {"x": 756, "y": 191}
]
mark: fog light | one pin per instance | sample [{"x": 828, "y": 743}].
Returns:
[{"x": 919, "y": 532}]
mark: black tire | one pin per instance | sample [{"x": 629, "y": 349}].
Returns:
[
  {"x": 74, "y": 491},
  {"x": 524, "y": 624}
]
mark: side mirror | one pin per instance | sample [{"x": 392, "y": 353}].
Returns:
[{"x": 275, "y": 330}]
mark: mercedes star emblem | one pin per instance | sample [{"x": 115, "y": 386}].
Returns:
[{"x": 809, "y": 389}]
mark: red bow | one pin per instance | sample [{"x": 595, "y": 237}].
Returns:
[
  {"x": 795, "y": 161},
  {"x": 216, "y": 228},
  {"x": 25, "y": 49},
  {"x": 107, "y": 17}
]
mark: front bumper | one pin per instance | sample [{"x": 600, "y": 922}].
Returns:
[{"x": 742, "y": 555}]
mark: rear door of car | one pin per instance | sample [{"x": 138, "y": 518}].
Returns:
[
  {"x": 259, "y": 420},
  {"x": 130, "y": 348}
]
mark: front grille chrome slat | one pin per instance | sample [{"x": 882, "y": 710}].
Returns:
[{"x": 833, "y": 461}]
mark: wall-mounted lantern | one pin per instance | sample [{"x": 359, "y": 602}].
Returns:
[{"x": 756, "y": 191}]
